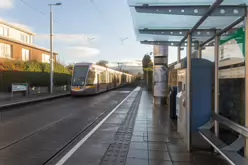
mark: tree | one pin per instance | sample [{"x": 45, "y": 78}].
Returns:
[
  {"x": 69, "y": 67},
  {"x": 147, "y": 70},
  {"x": 150, "y": 65},
  {"x": 102, "y": 63},
  {"x": 146, "y": 61}
]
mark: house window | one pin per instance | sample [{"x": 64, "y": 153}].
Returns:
[
  {"x": 1, "y": 31},
  {"x": 46, "y": 58},
  {"x": 24, "y": 38},
  {"x": 4, "y": 31},
  {"x": 5, "y": 50},
  {"x": 25, "y": 54}
]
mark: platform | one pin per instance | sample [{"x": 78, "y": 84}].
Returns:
[{"x": 137, "y": 133}]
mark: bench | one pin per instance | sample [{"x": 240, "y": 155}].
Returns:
[{"x": 229, "y": 152}]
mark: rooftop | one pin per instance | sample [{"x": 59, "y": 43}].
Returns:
[{"x": 17, "y": 27}]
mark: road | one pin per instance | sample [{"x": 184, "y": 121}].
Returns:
[{"x": 36, "y": 134}]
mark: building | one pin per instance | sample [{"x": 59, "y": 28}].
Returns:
[{"x": 17, "y": 43}]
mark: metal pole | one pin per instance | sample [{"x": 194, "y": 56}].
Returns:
[
  {"x": 199, "y": 51},
  {"x": 51, "y": 50},
  {"x": 211, "y": 9},
  {"x": 188, "y": 92},
  {"x": 241, "y": 19},
  {"x": 179, "y": 54},
  {"x": 216, "y": 82},
  {"x": 246, "y": 81}
]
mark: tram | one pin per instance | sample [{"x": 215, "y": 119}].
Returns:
[{"x": 89, "y": 78}]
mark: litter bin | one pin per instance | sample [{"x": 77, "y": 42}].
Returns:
[{"x": 173, "y": 94}]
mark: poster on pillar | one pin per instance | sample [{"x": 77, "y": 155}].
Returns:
[
  {"x": 160, "y": 60},
  {"x": 160, "y": 79}
]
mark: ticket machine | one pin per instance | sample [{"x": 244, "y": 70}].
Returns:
[{"x": 201, "y": 99}]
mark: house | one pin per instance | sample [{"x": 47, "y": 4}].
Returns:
[{"x": 17, "y": 43}]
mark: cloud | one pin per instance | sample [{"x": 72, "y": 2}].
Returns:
[
  {"x": 134, "y": 63},
  {"x": 79, "y": 39},
  {"x": 78, "y": 54},
  {"x": 6, "y": 4},
  {"x": 82, "y": 51}
]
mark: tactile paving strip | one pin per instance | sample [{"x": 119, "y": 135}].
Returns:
[{"x": 117, "y": 151}]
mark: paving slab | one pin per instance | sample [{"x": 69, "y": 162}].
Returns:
[{"x": 143, "y": 135}]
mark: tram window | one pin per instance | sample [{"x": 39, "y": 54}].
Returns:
[
  {"x": 79, "y": 75},
  {"x": 101, "y": 77},
  {"x": 91, "y": 77},
  {"x": 104, "y": 74},
  {"x": 110, "y": 78},
  {"x": 80, "y": 71}
]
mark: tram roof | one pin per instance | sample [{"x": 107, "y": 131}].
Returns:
[
  {"x": 167, "y": 22},
  {"x": 100, "y": 67}
]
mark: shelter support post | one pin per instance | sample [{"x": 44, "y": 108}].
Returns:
[
  {"x": 160, "y": 71},
  {"x": 188, "y": 92},
  {"x": 199, "y": 49},
  {"x": 216, "y": 82},
  {"x": 246, "y": 80},
  {"x": 178, "y": 54}
]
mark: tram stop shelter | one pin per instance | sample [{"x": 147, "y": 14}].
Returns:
[{"x": 195, "y": 25}]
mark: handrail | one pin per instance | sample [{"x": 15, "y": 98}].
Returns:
[{"x": 234, "y": 126}]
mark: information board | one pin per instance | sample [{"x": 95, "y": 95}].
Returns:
[
  {"x": 160, "y": 60},
  {"x": 19, "y": 87}
]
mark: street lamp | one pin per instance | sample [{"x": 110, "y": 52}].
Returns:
[{"x": 51, "y": 45}]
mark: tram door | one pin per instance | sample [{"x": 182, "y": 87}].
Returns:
[{"x": 98, "y": 83}]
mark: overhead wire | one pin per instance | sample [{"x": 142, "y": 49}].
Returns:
[
  {"x": 32, "y": 7},
  {"x": 36, "y": 9},
  {"x": 103, "y": 18},
  {"x": 91, "y": 1},
  {"x": 44, "y": 14},
  {"x": 121, "y": 39},
  {"x": 88, "y": 39}
]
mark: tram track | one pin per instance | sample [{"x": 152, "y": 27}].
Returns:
[
  {"x": 33, "y": 133},
  {"x": 36, "y": 137},
  {"x": 77, "y": 137}
]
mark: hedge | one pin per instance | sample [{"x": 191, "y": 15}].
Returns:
[
  {"x": 31, "y": 72},
  {"x": 32, "y": 66}
]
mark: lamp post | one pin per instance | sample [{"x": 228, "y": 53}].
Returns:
[{"x": 51, "y": 45}]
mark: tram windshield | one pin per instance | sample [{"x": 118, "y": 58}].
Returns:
[{"x": 79, "y": 75}]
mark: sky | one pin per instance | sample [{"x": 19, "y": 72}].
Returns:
[{"x": 83, "y": 31}]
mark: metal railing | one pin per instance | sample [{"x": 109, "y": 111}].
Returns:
[{"x": 234, "y": 126}]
